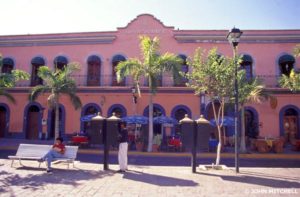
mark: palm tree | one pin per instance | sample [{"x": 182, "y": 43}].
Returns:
[
  {"x": 56, "y": 83},
  {"x": 151, "y": 67},
  {"x": 250, "y": 91},
  {"x": 9, "y": 80}
]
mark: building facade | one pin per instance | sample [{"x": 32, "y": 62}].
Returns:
[{"x": 267, "y": 54}]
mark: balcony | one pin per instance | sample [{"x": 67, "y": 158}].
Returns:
[{"x": 270, "y": 81}]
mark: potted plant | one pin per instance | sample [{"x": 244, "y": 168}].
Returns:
[
  {"x": 156, "y": 142},
  {"x": 139, "y": 143}
]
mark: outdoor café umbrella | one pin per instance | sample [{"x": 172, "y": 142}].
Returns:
[
  {"x": 135, "y": 119},
  {"x": 87, "y": 118},
  {"x": 164, "y": 120},
  {"x": 227, "y": 121}
]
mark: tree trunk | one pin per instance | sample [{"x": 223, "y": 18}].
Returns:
[
  {"x": 243, "y": 132},
  {"x": 150, "y": 122},
  {"x": 219, "y": 125},
  {"x": 56, "y": 130},
  {"x": 219, "y": 146}
]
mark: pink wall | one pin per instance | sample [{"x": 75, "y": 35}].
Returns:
[{"x": 265, "y": 47}]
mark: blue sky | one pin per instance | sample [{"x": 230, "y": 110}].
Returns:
[{"x": 60, "y": 16}]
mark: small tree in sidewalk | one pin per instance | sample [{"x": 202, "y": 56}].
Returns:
[{"x": 213, "y": 75}]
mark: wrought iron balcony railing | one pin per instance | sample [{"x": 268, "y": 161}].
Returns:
[{"x": 270, "y": 81}]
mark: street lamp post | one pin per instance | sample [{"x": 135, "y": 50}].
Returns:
[
  {"x": 134, "y": 99},
  {"x": 234, "y": 37}
]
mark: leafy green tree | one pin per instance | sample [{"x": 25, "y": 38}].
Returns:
[
  {"x": 213, "y": 75},
  {"x": 296, "y": 51},
  {"x": 292, "y": 82},
  {"x": 9, "y": 80},
  {"x": 151, "y": 67},
  {"x": 57, "y": 83}
]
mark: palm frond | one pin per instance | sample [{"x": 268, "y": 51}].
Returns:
[
  {"x": 4, "y": 93},
  {"x": 76, "y": 102},
  {"x": 37, "y": 91},
  {"x": 130, "y": 67}
]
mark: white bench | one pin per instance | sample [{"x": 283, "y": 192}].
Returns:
[{"x": 37, "y": 151}]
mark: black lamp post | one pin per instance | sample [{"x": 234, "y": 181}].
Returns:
[
  {"x": 134, "y": 97},
  {"x": 233, "y": 37}
]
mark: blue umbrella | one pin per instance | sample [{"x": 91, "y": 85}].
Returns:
[
  {"x": 135, "y": 119},
  {"x": 227, "y": 121},
  {"x": 164, "y": 120},
  {"x": 87, "y": 118}
]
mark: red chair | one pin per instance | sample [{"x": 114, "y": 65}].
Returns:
[{"x": 174, "y": 144}]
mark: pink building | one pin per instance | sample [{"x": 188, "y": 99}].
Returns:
[{"x": 267, "y": 54}]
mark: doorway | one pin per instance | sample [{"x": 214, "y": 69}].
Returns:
[
  {"x": 290, "y": 125},
  {"x": 3, "y": 126},
  {"x": 33, "y": 120}
]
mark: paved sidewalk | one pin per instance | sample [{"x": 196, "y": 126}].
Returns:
[
  {"x": 90, "y": 180},
  {"x": 12, "y": 144}
]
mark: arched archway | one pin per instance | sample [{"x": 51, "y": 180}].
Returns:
[
  {"x": 115, "y": 61},
  {"x": 4, "y": 120},
  {"x": 7, "y": 65},
  {"x": 60, "y": 62},
  {"x": 289, "y": 123},
  {"x": 36, "y": 62},
  {"x": 209, "y": 113},
  {"x": 286, "y": 64},
  {"x": 119, "y": 110},
  {"x": 158, "y": 110},
  {"x": 88, "y": 109},
  {"x": 251, "y": 122},
  {"x": 51, "y": 122},
  {"x": 33, "y": 113},
  {"x": 178, "y": 113},
  {"x": 94, "y": 70},
  {"x": 181, "y": 81},
  {"x": 247, "y": 65}
]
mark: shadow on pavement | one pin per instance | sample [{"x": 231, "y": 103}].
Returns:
[
  {"x": 258, "y": 179},
  {"x": 158, "y": 179},
  {"x": 58, "y": 176}
]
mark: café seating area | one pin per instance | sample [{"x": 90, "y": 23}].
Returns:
[{"x": 267, "y": 145}]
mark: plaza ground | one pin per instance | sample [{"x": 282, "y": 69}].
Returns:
[
  {"x": 151, "y": 174},
  {"x": 88, "y": 179}
]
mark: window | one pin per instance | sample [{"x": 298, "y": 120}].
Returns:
[
  {"x": 181, "y": 81},
  {"x": 247, "y": 65},
  {"x": 36, "y": 63},
  {"x": 115, "y": 61},
  {"x": 286, "y": 64},
  {"x": 8, "y": 65},
  {"x": 94, "y": 70},
  {"x": 60, "y": 62}
]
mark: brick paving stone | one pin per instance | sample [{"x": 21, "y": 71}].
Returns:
[{"x": 88, "y": 180}]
